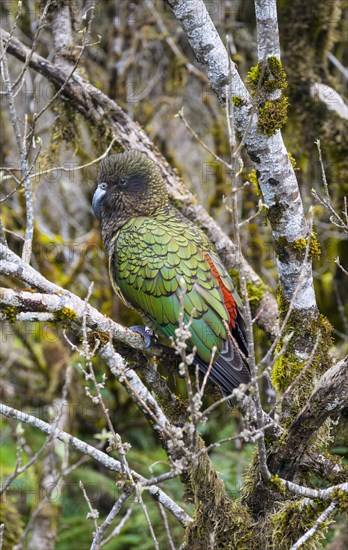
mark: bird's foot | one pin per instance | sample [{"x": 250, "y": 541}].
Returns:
[{"x": 147, "y": 333}]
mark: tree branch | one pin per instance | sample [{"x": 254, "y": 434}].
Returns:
[
  {"x": 267, "y": 29},
  {"x": 208, "y": 47},
  {"x": 321, "y": 519},
  {"x": 329, "y": 397},
  {"x": 63, "y": 303}
]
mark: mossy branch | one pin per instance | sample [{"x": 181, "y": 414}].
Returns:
[
  {"x": 329, "y": 397},
  {"x": 220, "y": 522}
]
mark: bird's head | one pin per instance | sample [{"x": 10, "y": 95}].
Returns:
[{"x": 129, "y": 185}]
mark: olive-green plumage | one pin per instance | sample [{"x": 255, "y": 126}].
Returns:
[{"x": 157, "y": 257}]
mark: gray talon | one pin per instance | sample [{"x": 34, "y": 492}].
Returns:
[{"x": 146, "y": 332}]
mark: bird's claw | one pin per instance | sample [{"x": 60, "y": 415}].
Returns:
[{"x": 146, "y": 332}]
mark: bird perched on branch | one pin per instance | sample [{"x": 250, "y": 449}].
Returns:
[{"x": 160, "y": 264}]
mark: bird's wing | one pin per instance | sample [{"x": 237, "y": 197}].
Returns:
[{"x": 164, "y": 267}]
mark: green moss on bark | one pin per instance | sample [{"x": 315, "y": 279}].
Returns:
[
  {"x": 276, "y": 482},
  {"x": 293, "y": 161},
  {"x": 342, "y": 500},
  {"x": 314, "y": 245},
  {"x": 11, "y": 519},
  {"x": 65, "y": 128},
  {"x": 252, "y": 177},
  {"x": 271, "y": 76},
  {"x": 292, "y": 521},
  {"x": 10, "y": 313},
  {"x": 283, "y": 246},
  {"x": 263, "y": 79},
  {"x": 220, "y": 522},
  {"x": 272, "y": 116},
  {"x": 303, "y": 330},
  {"x": 65, "y": 314},
  {"x": 230, "y": 527},
  {"x": 237, "y": 101},
  {"x": 286, "y": 368}
]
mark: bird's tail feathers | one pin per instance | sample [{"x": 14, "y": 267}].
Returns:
[{"x": 229, "y": 370}]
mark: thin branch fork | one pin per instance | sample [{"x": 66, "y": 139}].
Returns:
[
  {"x": 76, "y": 311},
  {"x": 139, "y": 393},
  {"x": 79, "y": 312},
  {"x": 208, "y": 47},
  {"x": 107, "y": 461},
  {"x": 22, "y": 148}
]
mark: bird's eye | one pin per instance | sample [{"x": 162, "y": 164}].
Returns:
[
  {"x": 123, "y": 181},
  {"x": 103, "y": 186}
]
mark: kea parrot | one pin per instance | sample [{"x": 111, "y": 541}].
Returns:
[{"x": 157, "y": 257}]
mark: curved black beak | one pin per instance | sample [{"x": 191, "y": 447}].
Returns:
[{"x": 97, "y": 198}]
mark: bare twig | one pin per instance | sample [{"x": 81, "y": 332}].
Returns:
[
  {"x": 116, "y": 531},
  {"x": 75, "y": 168},
  {"x": 338, "y": 65},
  {"x": 18, "y": 470},
  {"x": 148, "y": 520},
  {"x": 323, "y": 173},
  {"x": 40, "y": 25},
  {"x": 247, "y": 311},
  {"x": 93, "y": 513},
  {"x": 167, "y": 527},
  {"x": 101, "y": 530},
  {"x": 181, "y": 115},
  {"x": 172, "y": 44},
  {"x": 338, "y": 263}
]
